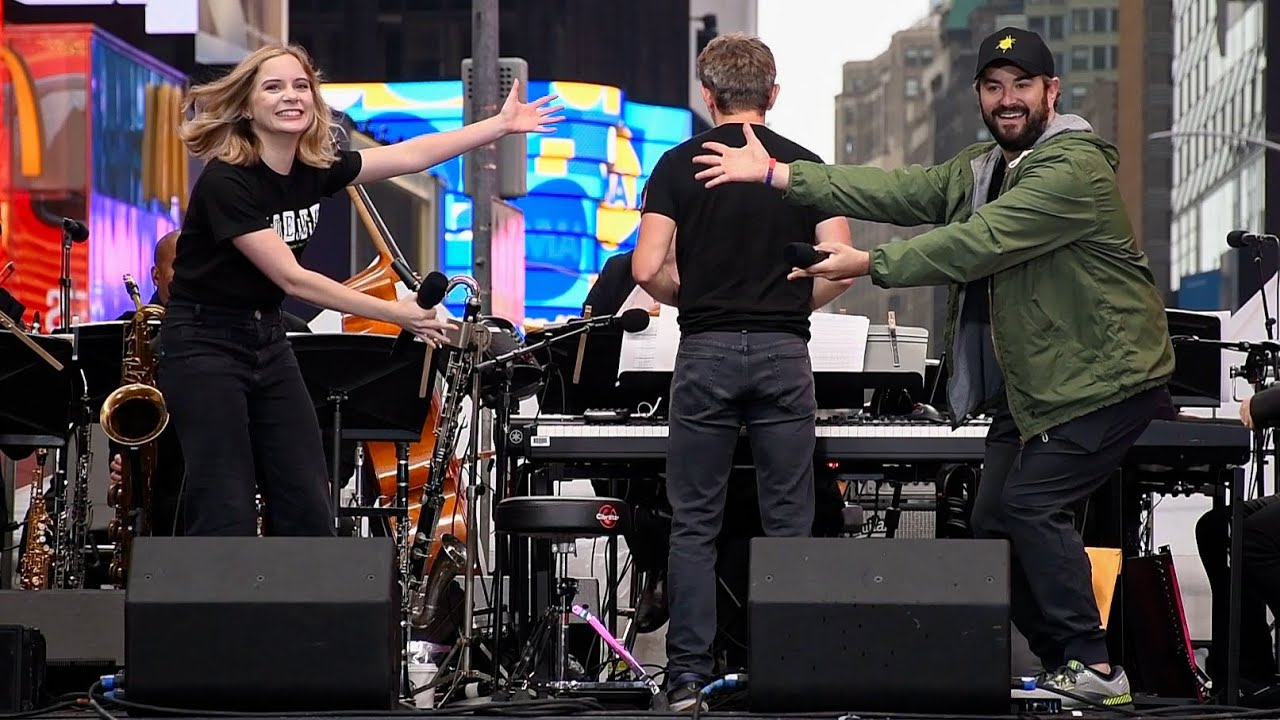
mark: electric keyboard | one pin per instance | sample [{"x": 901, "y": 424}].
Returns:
[{"x": 1172, "y": 443}]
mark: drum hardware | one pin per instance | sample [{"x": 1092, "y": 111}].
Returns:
[{"x": 505, "y": 394}]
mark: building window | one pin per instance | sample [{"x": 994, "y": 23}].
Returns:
[
  {"x": 1079, "y": 21},
  {"x": 1055, "y": 27},
  {"x": 1101, "y": 16},
  {"x": 1059, "y": 62},
  {"x": 1078, "y": 94},
  {"x": 1036, "y": 24},
  {"x": 1079, "y": 57},
  {"x": 913, "y": 87},
  {"x": 1100, "y": 57}
]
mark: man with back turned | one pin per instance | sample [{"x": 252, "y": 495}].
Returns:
[{"x": 743, "y": 357}]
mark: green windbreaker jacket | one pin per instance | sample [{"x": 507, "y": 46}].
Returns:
[{"x": 1077, "y": 323}]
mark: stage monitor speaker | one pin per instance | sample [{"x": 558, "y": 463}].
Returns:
[
  {"x": 263, "y": 624},
  {"x": 869, "y": 624}
]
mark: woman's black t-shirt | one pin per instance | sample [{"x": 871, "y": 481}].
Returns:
[{"x": 232, "y": 200}]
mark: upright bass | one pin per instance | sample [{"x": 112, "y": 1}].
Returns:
[{"x": 447, "y": 557}]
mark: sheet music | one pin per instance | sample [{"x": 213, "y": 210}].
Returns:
[
  {"x": 654, "y": 348},
  {"x": 838, "y": 343},
  {"x": 638, "y": 298}
]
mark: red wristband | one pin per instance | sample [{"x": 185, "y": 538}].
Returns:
[{"x": 768, "y": 176}]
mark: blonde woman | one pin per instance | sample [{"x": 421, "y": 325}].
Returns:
[{"x": 232, "y": 384}]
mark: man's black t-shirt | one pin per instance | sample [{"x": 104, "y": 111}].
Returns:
[
  {"x": 232, "y": 200},
  {"x": 730, "y": 239}
]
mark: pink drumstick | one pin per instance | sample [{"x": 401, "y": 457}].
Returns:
[{"x": 612, "y": 642}]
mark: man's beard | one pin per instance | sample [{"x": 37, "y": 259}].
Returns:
[{"x": 1032, "y": 128}]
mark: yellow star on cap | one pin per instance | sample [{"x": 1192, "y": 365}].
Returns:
[{"x": 1005, "y": 44}]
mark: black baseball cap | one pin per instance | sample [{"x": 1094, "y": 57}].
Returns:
[{"x": 1016, "y": 46}]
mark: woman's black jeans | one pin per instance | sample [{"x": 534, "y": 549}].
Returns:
[{"x": 246, "y": 423}]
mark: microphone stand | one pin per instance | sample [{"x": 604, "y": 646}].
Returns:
[
  {"x": 1262, "y": 290},
  {"x": 64, "y": 282},
  {"x": 1259, "y": 440},
  {"x": 1261, "y": 357},
  {"x": 505, "y": 358}
]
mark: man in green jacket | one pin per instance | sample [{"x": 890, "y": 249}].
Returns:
[{"x": 1055, "y": 328}]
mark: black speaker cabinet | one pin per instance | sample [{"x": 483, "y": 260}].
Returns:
[
  {"x": 22, "y": 669},
  {"x": 263, "y": 624},
  {"x": 896, "y": 625}
]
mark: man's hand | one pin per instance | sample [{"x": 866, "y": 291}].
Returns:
[
  {"x": 117, "y": 469},
  {"x": 845, "y": 262},
  {"x": 749, "y": 163},
  {"x": 1246, "y": 416}
]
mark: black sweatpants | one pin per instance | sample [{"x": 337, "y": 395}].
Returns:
[{"x": 1027, "y": 494}]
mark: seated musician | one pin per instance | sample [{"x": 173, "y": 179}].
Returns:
[
  {"x": 170, "y": 467},
  {"x": 1260, "y": 570}
]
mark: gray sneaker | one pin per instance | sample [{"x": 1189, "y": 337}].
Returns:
[{"x": 1085, "y": 687}]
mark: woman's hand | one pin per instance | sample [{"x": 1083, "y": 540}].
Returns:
[
  {"x": 845, "y": 262},
  {"x": 518, "y": 117},
  {"x": 419, "y": 321}
]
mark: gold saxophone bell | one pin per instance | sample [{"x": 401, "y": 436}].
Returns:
[{"x": 135, "y": 413}]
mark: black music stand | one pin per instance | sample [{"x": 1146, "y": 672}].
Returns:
[
  {"x": 364, "y": 387},
  {"x": 369, "y": 384},
  {"x": 598, "y": 386},
  {"x": 37, "y": 397},
  {"x": 99, "y": 353}
]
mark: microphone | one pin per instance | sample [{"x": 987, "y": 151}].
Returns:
[
  {"x": 803, "y": 255},
  {"x": 432, "y": 289},
  {"x": 1243, "y": 239},
  {"x": 75, "y": 230},
  {"x": 632, "y": 321},
  {"x": 429, "y": 294}
]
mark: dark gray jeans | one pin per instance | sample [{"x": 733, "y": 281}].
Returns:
[{"x": 722, "y": 382}]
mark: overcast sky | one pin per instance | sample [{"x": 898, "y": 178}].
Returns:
[{"x": 811, "y": 40}]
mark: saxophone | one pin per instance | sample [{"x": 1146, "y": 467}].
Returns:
[
  {"x": 33, "y": 573},
  {"x": 72, "y": 524},
  {"x": 134, "y": 415},
  {"x": 426, "y": 586}
]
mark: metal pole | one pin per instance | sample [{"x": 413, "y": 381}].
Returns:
[{"x": 484, "y": 103}]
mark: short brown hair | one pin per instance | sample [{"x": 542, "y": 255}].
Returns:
[{"x": 739, "y": 71}]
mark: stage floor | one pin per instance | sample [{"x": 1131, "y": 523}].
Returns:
[{"x": 553, "y": 709}]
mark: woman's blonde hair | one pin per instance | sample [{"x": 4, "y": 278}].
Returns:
[{"x": 218, "y": 125}]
